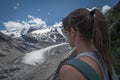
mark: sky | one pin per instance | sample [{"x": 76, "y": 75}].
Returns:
[{"x": 47, "y": 11}]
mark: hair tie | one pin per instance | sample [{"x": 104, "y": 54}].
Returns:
[{"x": 92, "y": 13}]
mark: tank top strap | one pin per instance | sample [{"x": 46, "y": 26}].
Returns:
[{"x": 95, "y": 56}]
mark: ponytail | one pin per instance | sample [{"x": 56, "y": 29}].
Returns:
[{"x": 101, "y": 37}]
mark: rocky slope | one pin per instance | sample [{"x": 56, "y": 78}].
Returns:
[
  {"x": 18, "y": 70},
  {"x": 113, "y": 18},
  {"x": 9, "y": 48},
  {"x": 14, "y": 49}
]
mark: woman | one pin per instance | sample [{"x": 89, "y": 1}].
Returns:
[{"x": 87, "y": 31}]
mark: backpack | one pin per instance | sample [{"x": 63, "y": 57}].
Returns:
[{"x": 87, "y": 70}]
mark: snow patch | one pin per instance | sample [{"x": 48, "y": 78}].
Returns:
[
  {"x": 41, "y": 31},
  {"x": 58, "y": 24},
  {"x": 60, "y": 31}
]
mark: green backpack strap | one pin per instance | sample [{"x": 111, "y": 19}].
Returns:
[{"x": 84, "y": 68}]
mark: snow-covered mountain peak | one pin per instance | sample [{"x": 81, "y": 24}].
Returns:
[
  {"x": 56, "y": 27},
  {"x": 57, "y": 24},
  {"x": 17, "y": 29},
  {"x": 50, "y": 34},
  {"x": 35, "y": 30},
  {"x": 41, "y": 31}
]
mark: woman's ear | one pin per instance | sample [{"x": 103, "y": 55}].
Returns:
[{"x": 72, "y": 32}]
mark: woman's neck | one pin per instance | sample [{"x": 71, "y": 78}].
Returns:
[{"x": 84, "y": 47}]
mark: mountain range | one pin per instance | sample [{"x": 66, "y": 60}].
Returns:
[
  {"x": 20, "y": 41},
  {"x": 16, "y": 43}
]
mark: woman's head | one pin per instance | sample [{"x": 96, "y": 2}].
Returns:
[
  {"x": 80, "y": 20},
  {"x": 92, "y": 27}
]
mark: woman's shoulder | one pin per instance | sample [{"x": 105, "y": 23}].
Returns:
[
  {"x": 68, "y": 72},
  {"x": 92, "y": 63}
]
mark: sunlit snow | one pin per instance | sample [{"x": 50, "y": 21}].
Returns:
[
  {"x": 41, "y": 31},
  {"x": 38, "y": 56}
]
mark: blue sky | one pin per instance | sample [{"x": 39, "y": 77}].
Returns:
[{"x": 50, "y": 11}]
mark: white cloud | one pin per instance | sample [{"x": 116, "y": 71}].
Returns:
[
  {"x": 105, "y": 9},
  {"x": 17, "y": 27},
  {"x": 13, "y": 28},
  {"x": 11, "y": 25},
  {"x": 36, "y": 22}
]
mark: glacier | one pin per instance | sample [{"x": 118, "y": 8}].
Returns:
[{"x": 38, "y": 56}]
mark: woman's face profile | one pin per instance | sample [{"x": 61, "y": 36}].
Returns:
[{"x": 69, "y": 35}]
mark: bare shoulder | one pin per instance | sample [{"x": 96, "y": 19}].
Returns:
[
  {"x": 68, "y": 72},
  {"x": 93, "y": 64}
]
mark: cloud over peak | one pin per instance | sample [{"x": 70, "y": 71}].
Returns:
[
  {"x": 16, "y": 28},
  {"x": 105, "y": 9}
]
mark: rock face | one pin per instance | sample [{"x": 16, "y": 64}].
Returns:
[
  {"x": 45, "y": 71},
  {"x": 113, "y": 18},
  {"x": 8, "y": 47},
  {"x": 13, "y": 49}
]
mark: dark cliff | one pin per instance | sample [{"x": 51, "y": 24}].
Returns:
[{"x": 113, "y": 18}]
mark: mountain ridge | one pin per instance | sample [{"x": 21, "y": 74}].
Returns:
[{"x": 113, "y": 19}]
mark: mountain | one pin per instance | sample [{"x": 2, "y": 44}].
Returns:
[
  {"x": 10, "y": 47},
  {"x": 16, "y": 43},
  {"x": 4, "y": 38},
  {"x": 113, "y": 18},
  {"x": 17, "y": 32},
  {"x": 15, "y": 48},
  {"x": 18, "y": 28},
  {"x": 38, "y": 33},
  {"x": 52, "y": 34}
]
